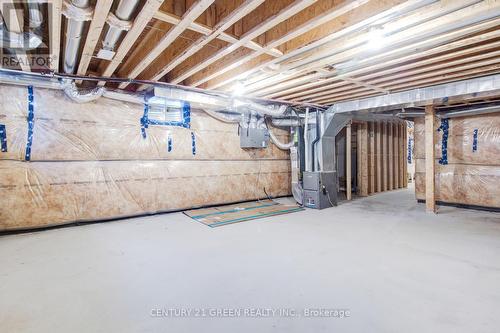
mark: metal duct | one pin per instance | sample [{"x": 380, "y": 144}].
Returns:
[
  {"x": 35, "y": 15},
  {"x": 119, "y": 22},
  {"x": 470, "y": 112},
  {"x": 260, "y": 109},
  {"x": 14, "y": 40},
  {"x": 282, "y": 122},
  {"x": 76, "y": 12},
  {"x": 439, "y": 94},
  {"x": 81, "y": 96}
]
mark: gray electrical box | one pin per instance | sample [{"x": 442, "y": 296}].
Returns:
[
  {"x": 319, "y": 189},
  {"x": 254, "y": 138}
]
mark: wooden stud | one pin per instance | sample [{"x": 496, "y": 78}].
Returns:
[
  {"x": 430, "y": 199},
  {"x": 379, "y": 156},
  {"x": 385, "y": 170},
  {"x": 55, "y": 34},
  {"x": 371, "y": 139},
  {"x": 98, "y": 22},
  {"x": 402, "y": 158},
  {"x": 364, "y": 159},
  {"x": 396, "y": 155},
  {"x": 405, "y": 149},
  {"x": 348, "y": 152},
  {"x": 390, "y": 143},
  {"x": 358, "y": 159}
]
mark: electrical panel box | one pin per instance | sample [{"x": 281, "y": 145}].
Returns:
[
  {"x": 254, "y": 138},
  {"x": 319, "y": 189}
]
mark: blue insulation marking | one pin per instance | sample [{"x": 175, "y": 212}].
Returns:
[
  {"x": 31, "y": 123},
  {"x": 444, "y": 141},
  {"x": 474, "y": 141},
  {"x": 410, "y": 141},
  {"x": 186, "y": 115},
  {"x": 169, "y": 143},
  {"x": 193, "y": 143},
  {"x": 144, "y": 120},
  {"x": 3, "y": 138}
]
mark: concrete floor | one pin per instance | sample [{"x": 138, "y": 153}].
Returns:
[{"x": 394, "y": 267}]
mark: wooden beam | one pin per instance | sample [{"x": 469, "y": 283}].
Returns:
[
  {"x": 385, "y": 169},
  {"x": 313, "y": 23},
  {"x": 358, "y": 158},
  {"x": 390, "y": 158},
  {"x": 287, "y": 12},
  {"x": 140, "y": 22},
  {"x": 402, "y": 158},
  {"x": 55, "y": 34},
  {"x": 363, "y": 163},
  {"x": 203, "y": 29},
  {"x": 371, "y": 140},
  {"x": 192, "y": 14},
  {"x": 14, "y": 22},
  {"x": 396, "y": 155},
  {"x": 407, "y": 34},
  {"x": 405, "y": 162},
  {"x": 348, "y": 152},
  {"x": 98, "y": 22},
  {"x": 378, "y": 150},
  {"x": 430, "y": 199},
  {"x": 243, "y": 10},
  {"x": 372, "y": 12},
  {"x": 389, "y": 65}
]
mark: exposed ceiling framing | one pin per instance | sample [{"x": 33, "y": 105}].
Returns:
[{"x": 318, "y": 51}]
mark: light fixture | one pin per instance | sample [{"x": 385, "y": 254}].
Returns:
[
  {"x": 376, "y": 38},
  {"x": 238, "y": 88}
]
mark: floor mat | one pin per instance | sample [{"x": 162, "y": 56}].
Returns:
[{"x": 222, "y": 215}]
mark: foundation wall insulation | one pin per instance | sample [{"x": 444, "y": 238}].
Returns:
[
  {"x": 468, "y": 170},
  {"x": 91, "y": 161}
]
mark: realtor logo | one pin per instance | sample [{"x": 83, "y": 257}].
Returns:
[{"x": 24, "y": 32}]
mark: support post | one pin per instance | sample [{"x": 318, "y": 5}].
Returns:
[
  {"x": 379, "y": 156},
  {"x": 371, "y": 138},
  {"x": 348, "y": 162},
  {"x": 430, "y": 199}
]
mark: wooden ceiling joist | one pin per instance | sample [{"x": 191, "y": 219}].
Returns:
[
  {"x": 284, "y": 14},
  {"x": 403, "y": 38},
  {"x": 98, "y": 22},
  {"x": 55, "y": 34},
  {"x": 243, "y": 10},
  {"x": 441, "y": 66},
  {"x": 192, "y": 14},
  {"x": 146, "y": 14},
  {"x": 352, "y": 24},
  {"x": 374, "y": 69},
  {"x": 300, "y": 30},
  {"x": 224, "y": 36}
]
